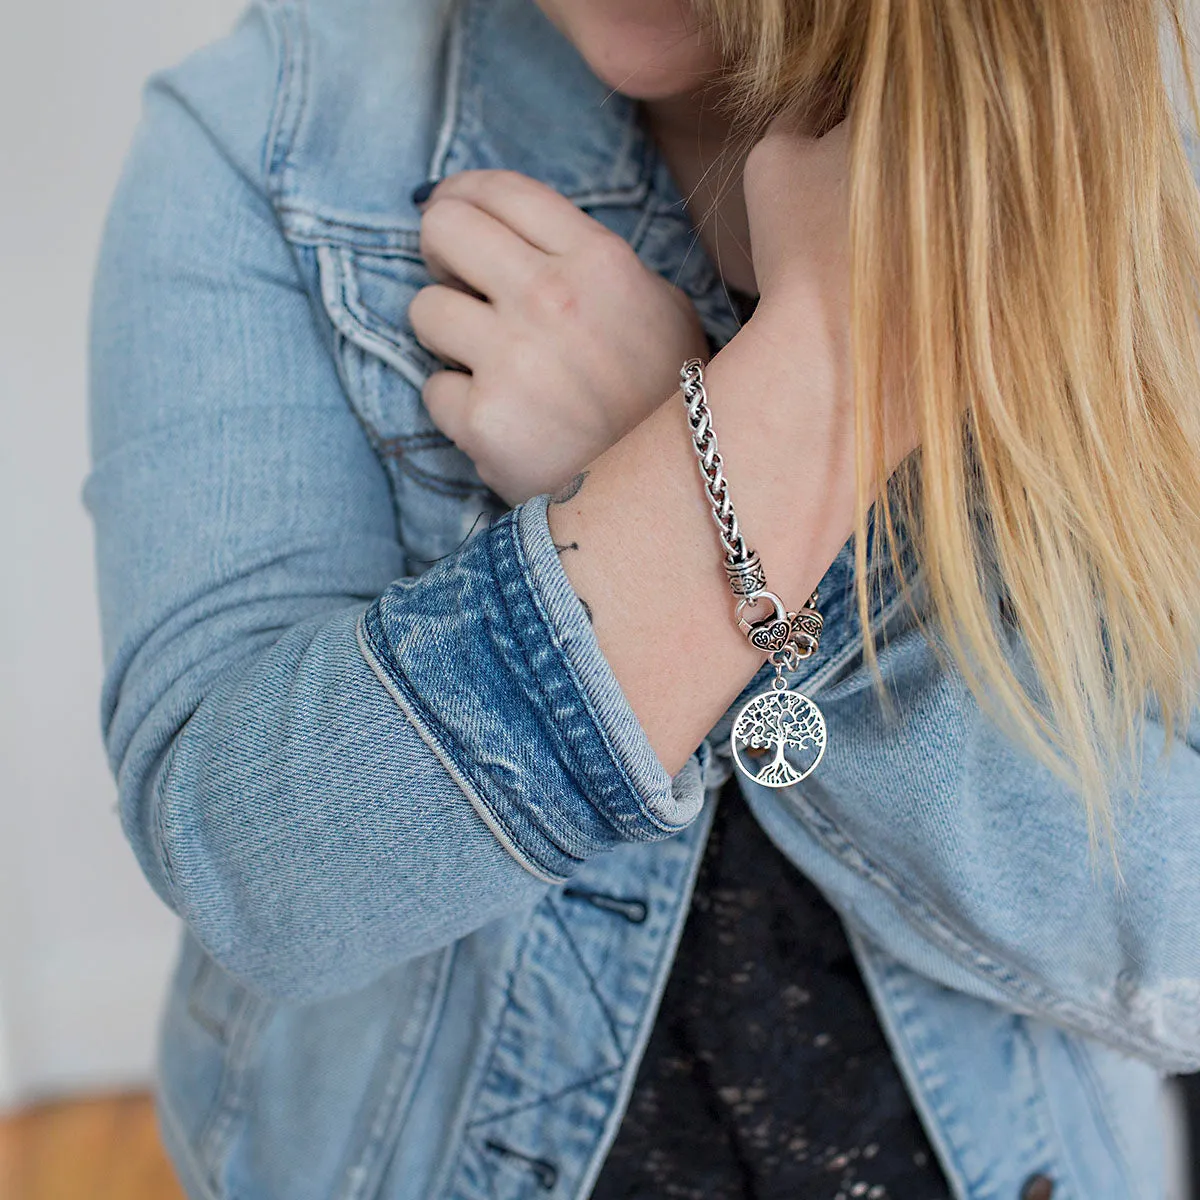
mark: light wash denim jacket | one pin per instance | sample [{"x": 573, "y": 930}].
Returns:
[{"x": 431, "y": 874}]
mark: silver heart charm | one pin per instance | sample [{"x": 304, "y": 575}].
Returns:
[{"x": 770, "y": 634}]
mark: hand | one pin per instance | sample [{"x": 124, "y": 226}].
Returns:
[
  {"x": 797, "y": 191},
  {"x": 567, "y": 341}
]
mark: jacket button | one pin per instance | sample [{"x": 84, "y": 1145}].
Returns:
[{"x": 1037, "y": 1187}]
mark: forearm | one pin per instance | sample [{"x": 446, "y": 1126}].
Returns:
[
  {"x": 639, "y": 544},
  {"x": 325, "y": 764},
  {"x": 299, "y": 824},
  {"x": 322, "y": 790}
]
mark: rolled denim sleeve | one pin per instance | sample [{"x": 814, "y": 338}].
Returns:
[
  {"x": 325, "y": 766},
  {"x": 498, "y": 667}
]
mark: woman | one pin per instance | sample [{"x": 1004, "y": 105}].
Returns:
[{"x": 430, "y": 783}]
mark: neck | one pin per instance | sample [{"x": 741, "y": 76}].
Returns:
[
  {"x": 688, "y": 115},
  {"x": 694, "y": 138}
]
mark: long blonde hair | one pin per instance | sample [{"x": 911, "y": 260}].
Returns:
[{"x": 1021, "y": 196}]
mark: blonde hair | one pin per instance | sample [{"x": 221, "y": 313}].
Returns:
[{"x": 1021, "y": 196}]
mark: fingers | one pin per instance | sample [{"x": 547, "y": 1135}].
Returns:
[
  {"x": 447, "y": 397},
  {"x": 460, "y": 241},
  {"x": 456, "y": 327},
  {"x": 527, "y": 206}
]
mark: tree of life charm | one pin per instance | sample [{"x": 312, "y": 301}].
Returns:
[{"x": 778, "y": 721}]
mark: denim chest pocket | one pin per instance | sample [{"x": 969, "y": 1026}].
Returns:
[{"x": 438, "y": 495}]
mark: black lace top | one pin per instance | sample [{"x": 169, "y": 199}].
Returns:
[{"x": 766, "y": 1076}]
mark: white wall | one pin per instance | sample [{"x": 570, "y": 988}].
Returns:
[{"x": 84, "y": 943}]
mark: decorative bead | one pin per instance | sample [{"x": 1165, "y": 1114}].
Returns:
[{"x": 746, "y": 576}]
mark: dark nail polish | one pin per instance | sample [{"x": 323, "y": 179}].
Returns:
[{"x": 423, "y": 191}]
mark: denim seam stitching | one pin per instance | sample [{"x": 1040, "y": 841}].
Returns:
[
  {"x": 891, "y": 1008},
  {"x": 443, "y": 485},
  {"x": 450, "y": 99},
  {"x": 401, "y": 443},
  {"x": 585, "y": 699},
  {"x": 293, "y": 102},
  {"x": 546, "y": 1098},
  {"x": 311, "y": 223},
  {"x": 460, "y": 755},
  {"x": 193, "y": 991},
  {"x": 283, "y": 73},
  {"x": 579, "y": 770},
  {"x": 390, "y": 346},
  {"x": 593, "y": 986},
  {"x": 931, "y": 923},
  {"x": 651, "y": 209},
  {"x": 424, "y": 718},
  {"x": 332, "y": 285},
  {"x": 370, "y": 321},
  {"x": 180, "y": 1146},
  {"x": 1086, "y": 1068},
  {"x": 478, "y": 803},
  {"x": 244, "y": 1026},
  {"x": 403, "y": 1076},
  {"x": 668, "y": 948},
  {"x": 161, "y": 821},
  {"x": 480, "y": 1085},
  {"x": 1044, "y": 1153}
]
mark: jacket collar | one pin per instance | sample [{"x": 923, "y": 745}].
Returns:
[{"x": 518, "y": 95}]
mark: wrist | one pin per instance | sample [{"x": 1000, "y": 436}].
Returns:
[{"x": 782, "y": 414}]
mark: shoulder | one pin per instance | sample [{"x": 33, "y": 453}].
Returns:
[
  {"x": 306, "y": 107},
  {"x": 326, "y": 104}
]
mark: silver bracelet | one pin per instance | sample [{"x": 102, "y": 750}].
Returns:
[{"x": 779, "y": 720}]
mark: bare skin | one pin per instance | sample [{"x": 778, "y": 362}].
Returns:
[
  {"x": 655, "y": 52},
  {"x": 649, "y": 561},
  {"x": 706, "y": 165}
]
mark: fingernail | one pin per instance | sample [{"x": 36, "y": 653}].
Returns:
[{"x": 423, "y": 191}]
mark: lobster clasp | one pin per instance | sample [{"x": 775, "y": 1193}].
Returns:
[{"x": 770, "y": 633}]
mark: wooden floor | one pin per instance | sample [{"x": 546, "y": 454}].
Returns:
[{"x": 102, "y": 1149}]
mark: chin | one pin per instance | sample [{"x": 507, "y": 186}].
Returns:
[{"x": 645, "y": 49}]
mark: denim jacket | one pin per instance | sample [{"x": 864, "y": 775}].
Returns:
[{"x": 430, "y": 873}]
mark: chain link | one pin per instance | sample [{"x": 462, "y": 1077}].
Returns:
[
  {"x": 747, "y": 578},
  {"x": 712, "y": 469}
]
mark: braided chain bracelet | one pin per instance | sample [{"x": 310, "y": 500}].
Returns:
[{"x": 779, "y": 720}]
